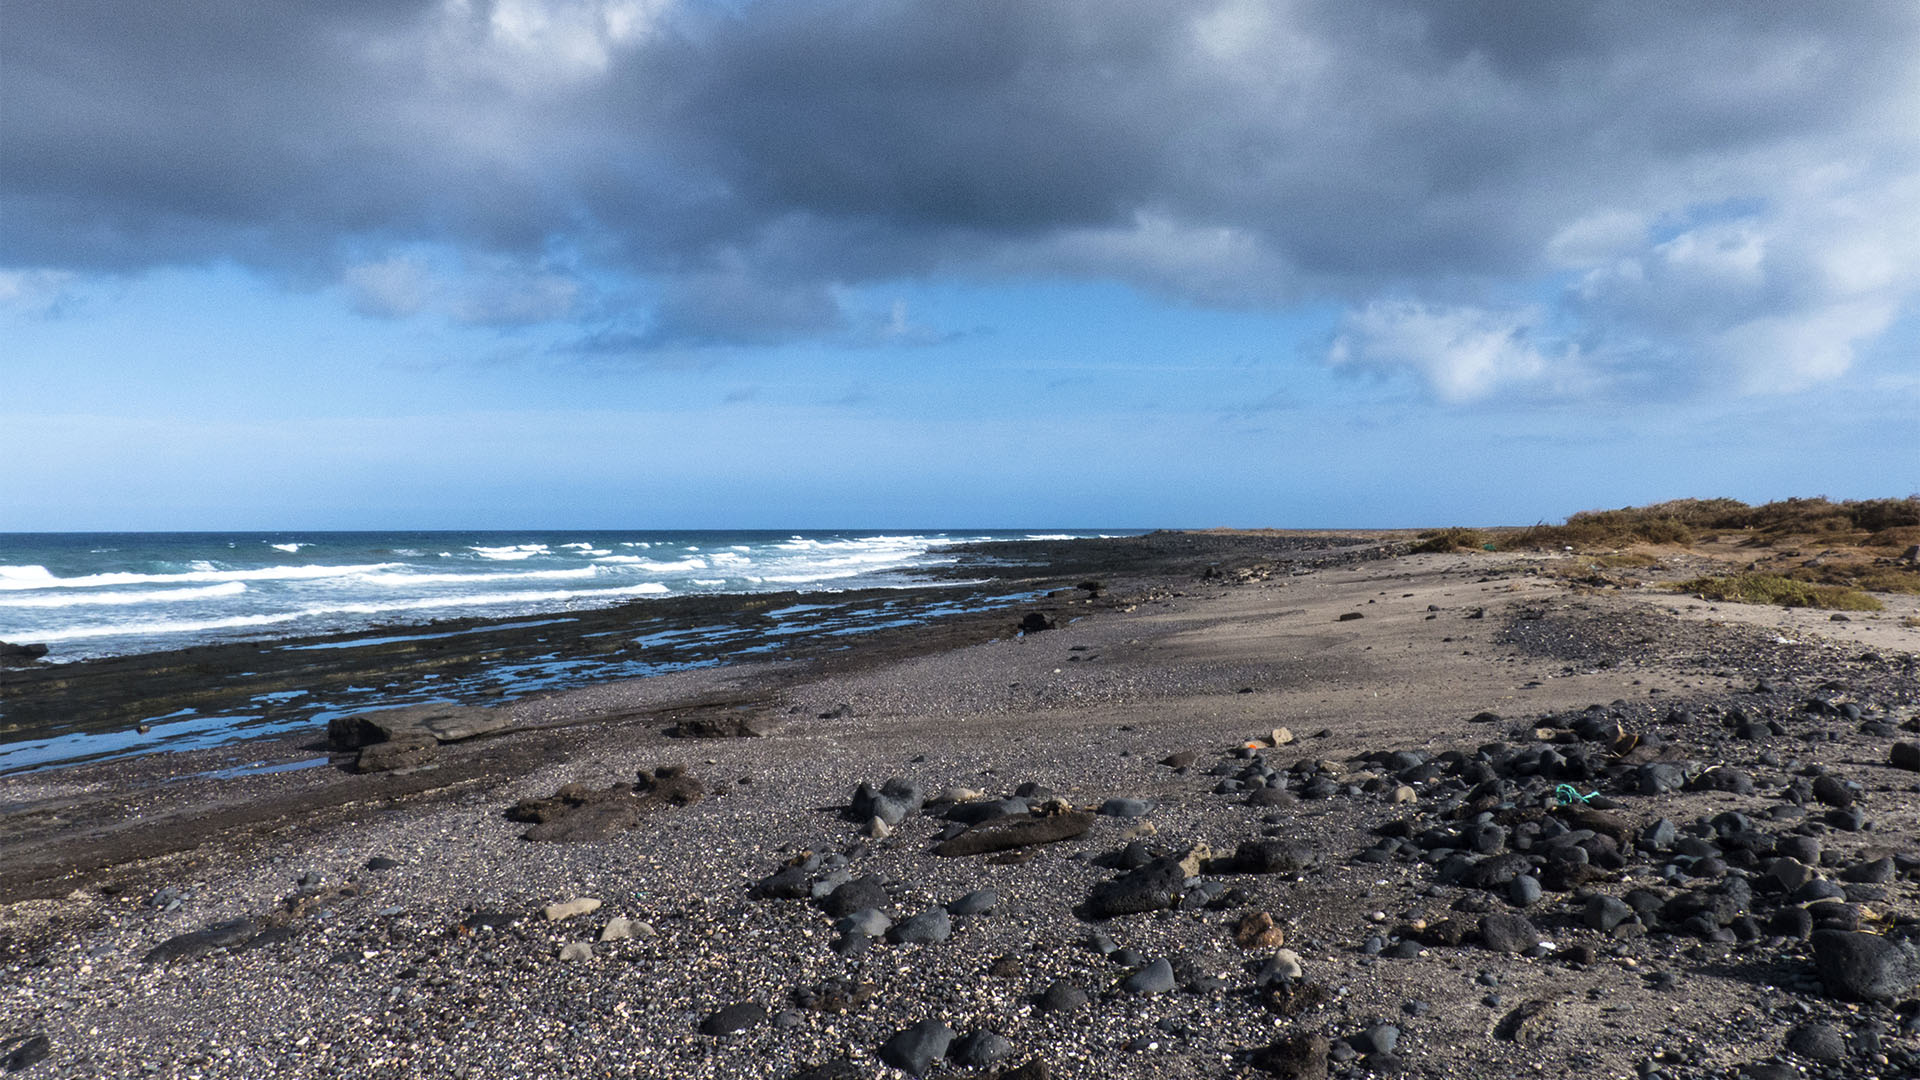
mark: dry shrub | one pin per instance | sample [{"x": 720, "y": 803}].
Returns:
[
  {"x": 1899, "y": 536},
  {"x": 1780, "y": 591},
  {"x": 1681, "y": 521},
  {"x": 1455, "y": 539}
]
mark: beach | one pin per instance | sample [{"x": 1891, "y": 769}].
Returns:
[{"x": 1366, "y": 747}]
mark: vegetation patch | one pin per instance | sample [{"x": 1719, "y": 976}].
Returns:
[
  {"x": 1859, "y": 575},
  {"x": 1780, "y": 591},
  {"x": 1625, "y": 560},
  {"x": 1451, "y": 540}
]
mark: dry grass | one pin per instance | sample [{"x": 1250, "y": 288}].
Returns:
[{"x": 1780, "y": 591}]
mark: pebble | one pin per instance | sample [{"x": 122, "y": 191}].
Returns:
[
  {"x": 926, "y": 928},
  {"x": 1062, "y": 997},
  {"x": 1817, "y": 1042},
  {"x": 915, "y": 1049},
  {"x": 980, "y": 1050},
  {"x": 1126, "y": 808},
  {"x": 977, "y": 902},
  {"x": 1155, "y": 978},
  {"x": 567, "y": 909},
  {"x": 738, "y": 1016}
]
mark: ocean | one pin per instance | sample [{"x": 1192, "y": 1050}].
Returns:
[
  {"x": 100, "y": 596},
  {"x": 88, "y": 595}
]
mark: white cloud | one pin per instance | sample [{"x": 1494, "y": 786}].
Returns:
[
  {"x": 395, "y": 287},
  {"x": 35, "y": 292},
  {"x": 1462, "y": 353}
]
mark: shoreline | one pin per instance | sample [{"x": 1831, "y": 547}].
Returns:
[
  {"x": 276, "y": 684},
  {"x": 384, "y": 980}
]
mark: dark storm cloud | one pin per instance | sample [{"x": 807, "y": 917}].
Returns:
[{"x": 1438, "y": 157}]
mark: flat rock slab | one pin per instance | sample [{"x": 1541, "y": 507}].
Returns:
[
  {"x": 1008, "y": 833},
  {"x": 415, "y": 724},
  {"x": 224, "y": 935},
  {"x": 580, "y": 812},
  {"x": 731, "y": 726}
]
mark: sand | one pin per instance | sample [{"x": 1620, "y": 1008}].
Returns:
[{"x": 376, "y": 975}]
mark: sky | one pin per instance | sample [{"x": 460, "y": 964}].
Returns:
[{"x": 270, "y": 264}]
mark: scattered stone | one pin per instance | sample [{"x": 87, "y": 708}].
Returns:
[
  {"x": 1604, "y": 912},
  {"x": 1529, "y": 1024},
  {"x": 1035, "y": 1069},
  {"x": 977, "y": 902},
  {"x": 1905, "y": 755},
  {"x": 576, "y": 950},
  {"x": 1274, "y": 856},
  {"x": 567, "y": 909},
  {"x": 1507, "y": 933},
  {"x": 1126, "y": 808},
  {"x": 1861, "y": 967},
  {"x": 32, "y": 1049},
  {"x": 1063, "y": 996},
  {"x": 738, "y": 1016},
  {"x": 915, "y": 1049},
  {"x": 1285, "y": 966},
  {"x": 1152, "y": 887},
  {"x": 380, "y": 863},
  {"x": 1009, "y": 833},
  {"x": 926, "y": 928},
  {"x": 1296, "y": 1057},
  {"x": 1257, "y": 930},
  {"x": 1378, "y": 1039},
  {"x": 861, "y": 892},
  {"x": 980, "y": 1050},
  {"x": 1818, "y": 1042},
  {"x": 866, "y": 922},
  {"x": 1155, "y": 978}
]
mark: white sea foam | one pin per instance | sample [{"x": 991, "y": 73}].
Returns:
[
  {"x": 288, "y": 548},
  {"x": 1048, "y": 536},
  {"x": 182, "y": 626},
  {"x": 709, "y": 581},
  {"x": 17, "y": 578},
  {"x": 511, "y": 552},
  {"x": 649, "y": 564},
  {"x": 403, "y": 579},
  {"x": 109, "y": 599}
]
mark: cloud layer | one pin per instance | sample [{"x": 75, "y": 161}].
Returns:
[{"x": 1553, "y": 198}]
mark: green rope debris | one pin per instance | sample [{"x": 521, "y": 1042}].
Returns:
[{"x": 1567, "y": 795}]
